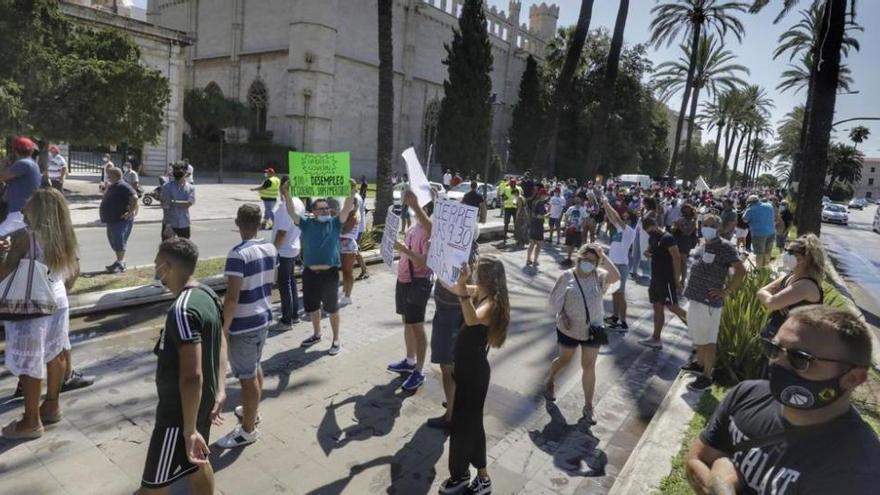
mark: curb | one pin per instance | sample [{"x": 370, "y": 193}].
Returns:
[
  {"x": 651, "y": 459},
  {"x": 98, "y": 223},
  {"x": 840, "y": 284},
  {"x": 96, "y": 302}
]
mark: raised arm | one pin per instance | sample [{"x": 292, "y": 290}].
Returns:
[
  {"x": 347, "y": 208},
  {"x": 611, "y": 214},
  {"x": 288, "y": 203},
  {"x": 410, "y": 200}
]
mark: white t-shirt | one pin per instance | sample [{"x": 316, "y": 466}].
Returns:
[
  {"x": 576, "y": 216},
  {"x": 618, "y": 252},
  {"x": 557, "y": 204},
  {"x": 447, "y": 179},
  {"x": 291, "y": 246},
  {"x": 356, "y": 209},
  {"x": 192, "y": 178},
  {"x": 56, "y": 164}
]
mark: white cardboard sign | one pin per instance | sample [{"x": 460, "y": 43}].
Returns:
[
  {"x": 452, "y": 235},
  {"x": 389, "y": 237},
  {"x": 418, "y": 183}
]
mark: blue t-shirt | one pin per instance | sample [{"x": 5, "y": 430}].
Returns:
[
  {"x": 320, "y": 241},
  {"x": 253, "y": 261},
  {"x": 26, "y": 181},
  {"x": 761, "y": 219}
]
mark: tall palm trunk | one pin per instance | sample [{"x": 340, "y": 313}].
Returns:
[
  {"x": 692, "y": 67},
  {"x": 746, "y": 162},
  {"x": 692, "y": 118},
  {"x": 729, "y": 141},
  {"x": 732, "y": 178},
  {"x": 599, "y": 133},
  {"x": 545, "y": 151},
  {"x": 385, "y": 124},
  {"x": 814, "y": 156},
  {"x": 713, "y": 165}
]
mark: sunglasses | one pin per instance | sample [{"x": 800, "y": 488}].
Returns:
[
  {"x": 800, "y": 360},
  {"x": 793, "y": 251}
]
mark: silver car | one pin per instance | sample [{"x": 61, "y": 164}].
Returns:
[{"x": 835, "y": 213}]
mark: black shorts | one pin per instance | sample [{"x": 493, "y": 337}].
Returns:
[
  {"x": 509, "y": 213},
  {"x": 554, "y": 224},
  {"x": 566, "y": 341},
  {"x": 411, "y": 299},
  {"x": 320, "y": 290},
  {"x": 536, "y": 229},
  {"x": 182, "y": 232},
  {"x": 444, "y": 330},
  {"x": 573, "y": 238},
  {"x": 166, "y": 457},
  {"x": 661, "y": 291}
]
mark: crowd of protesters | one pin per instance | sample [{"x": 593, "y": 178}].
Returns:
[{"x": 688, "y": 248}]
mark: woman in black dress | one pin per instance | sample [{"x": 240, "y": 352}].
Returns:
[{"x": 486, "y": 310}]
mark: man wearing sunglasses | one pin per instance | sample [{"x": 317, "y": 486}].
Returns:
[{"x": 798, "y": 432}]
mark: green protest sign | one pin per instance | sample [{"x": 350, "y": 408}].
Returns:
[{"x": 319, "y": 175}]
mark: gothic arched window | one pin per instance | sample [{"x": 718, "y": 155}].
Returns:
[
  {"x": 213, "y": 88},
  {"x": 258, "y": 99},
  {"x": 429, "y": 126}
]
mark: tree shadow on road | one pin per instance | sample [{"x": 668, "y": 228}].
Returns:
[
  {"x": 574, "y": 449},
  {"x": 412, "y": 467},
  {"x": 375, "y": 413}
]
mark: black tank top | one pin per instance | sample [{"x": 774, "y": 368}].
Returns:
[
  {"x": 471, "y": 344},
  {"x": 778, "y": 317}
]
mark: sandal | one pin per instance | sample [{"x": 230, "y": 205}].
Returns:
[
  {"x": 10, "y": 433},
  {"x": 51, "y": 419},
  {"x": 363, "y": 276}
]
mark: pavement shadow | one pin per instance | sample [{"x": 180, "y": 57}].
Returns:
[
  {"x": 574, "y": 449},
  {"x": 375, "y": 413},
  {"x": 282, "y": 364},
  {"x": 412, "y": 467}
]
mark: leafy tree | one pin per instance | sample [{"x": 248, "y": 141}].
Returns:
[
  {"x": 656, "y": 156},
  {"x": 465, "y": 113},
  {"x": 207, "y": 112},
  {"x": 545, "y": 155},
  {"x": 692, "y": 18},
  {"x": 768, "y": 180},
  {"x": 528, "y": 116},
  {"x": 845, "y": 164},
  {"x": 68, "y": 81},
  {"x": 385, "y": 124}
]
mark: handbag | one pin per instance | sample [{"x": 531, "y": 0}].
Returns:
[
  {"x": 26, "y": 293},
  {"x": 595, "y": 334}
]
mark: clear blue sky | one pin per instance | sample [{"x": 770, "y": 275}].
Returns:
[{"x": 755, "y": 52}]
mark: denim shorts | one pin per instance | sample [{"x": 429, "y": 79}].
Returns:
[
  {"x": 245, "y": 352},
  {"x": 117, "y": 234}
]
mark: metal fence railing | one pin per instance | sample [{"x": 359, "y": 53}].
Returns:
[{"x": 91, "y": 162}]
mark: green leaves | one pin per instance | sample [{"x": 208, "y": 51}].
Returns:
[
  {"x": 740, "y": 351},
  {"x": 207, "y": 112}
]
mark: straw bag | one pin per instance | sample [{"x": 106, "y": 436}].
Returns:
[{"x": 26, "y": 293}]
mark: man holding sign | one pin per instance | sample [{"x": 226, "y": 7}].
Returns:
[
  {"x": 321, "y": 261},
  {"x": 320, "y": 175}
]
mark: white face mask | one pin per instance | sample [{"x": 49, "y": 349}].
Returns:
[
  {"x": 789, "y": 261},
  {"x": 709, "y": 233},
  {"x": 587, "y": 267}
]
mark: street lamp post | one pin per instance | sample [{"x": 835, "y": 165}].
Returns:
[
  {"x": 492, "y": 102},
  {"x": 220, "y": 166}
]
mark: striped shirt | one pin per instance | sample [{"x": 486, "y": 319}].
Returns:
[{"x": 254, "y": 262}]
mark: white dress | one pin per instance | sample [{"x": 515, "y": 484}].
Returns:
[{"x": 30, "y": 344}]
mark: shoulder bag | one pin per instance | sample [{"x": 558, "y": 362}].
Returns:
[
  {"x": 26, "y": 293},
  {"x": 596, "y": 334}
]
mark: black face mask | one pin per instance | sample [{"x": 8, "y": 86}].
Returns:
[
  {"x": 792, "y": 390},
  {"x": 178, "y": 175}
]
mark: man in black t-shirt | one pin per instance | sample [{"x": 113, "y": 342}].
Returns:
[
  {"x": 665, "y": 279},
  {"x": 473, "y": 197},
  {"x": 798, "y": 432},
  {"x": 191, "y": 354}
]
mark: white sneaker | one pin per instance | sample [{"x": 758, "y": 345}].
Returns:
[
  {"x": 344, "y": 300},
  {"x": 238, "y": 438},
  {"x": 283, "y": 327}
]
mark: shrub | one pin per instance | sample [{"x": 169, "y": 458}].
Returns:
[{"x": 740, "y": 351}]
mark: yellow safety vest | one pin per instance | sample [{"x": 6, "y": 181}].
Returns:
[{"x": 272, "y": 191}]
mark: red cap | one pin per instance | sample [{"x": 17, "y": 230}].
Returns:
[
  {"x": 269, "y": 170},
  {"x": 512, "y": 183},
  {"x": 23, "y": 145}
]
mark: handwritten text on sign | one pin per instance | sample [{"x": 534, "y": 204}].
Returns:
[
  {"x": 452, "y": 236},
  {"x": 317, "y": 175},
  {"x": 389, "y": 236}
]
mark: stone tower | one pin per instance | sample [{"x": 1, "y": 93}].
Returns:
[{"x": 543, "y": 19}]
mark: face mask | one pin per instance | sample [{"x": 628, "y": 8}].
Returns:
[
  {"x": 587, "y": 267},
  {"x": 324, "y": 218},
  {"x": 178, "y": 175},
  {"x": 792, "y": 390},
  {"x": 789, "y": 261},
  {"x": 709, "y": 233}
]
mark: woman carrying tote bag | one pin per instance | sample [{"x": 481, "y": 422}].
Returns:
[{"x": 35, "y": 346}]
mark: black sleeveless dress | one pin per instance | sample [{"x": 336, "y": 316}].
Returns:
[
  {"x": 467, "y": 441},
  {"x": 778, "y": 317}
]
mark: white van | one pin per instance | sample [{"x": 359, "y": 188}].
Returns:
[{"x": 630, "y": 180}]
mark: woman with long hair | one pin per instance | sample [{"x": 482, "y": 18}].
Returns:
[
  {"x": 685, "y": 231},
  {"x": 576, "y": 301},
  {"x": 521, "y": 220},
  {"x": 804, "y": 261},
  {"x": 35, "y": 348},
  {"x": 486, "y": 309}
]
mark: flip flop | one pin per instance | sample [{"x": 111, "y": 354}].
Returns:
[
  {"x": 51, "y": 419},
  {"x": 9, "y": 432},
  {"x": 363, "y": 276}
]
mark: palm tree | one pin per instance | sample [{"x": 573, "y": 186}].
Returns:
[
  {"x": 599, "y": 134},
  {"x": 714, "y": 69},
  {"x": 845, "y": 164},
  {"x": 385, "y": 124},
  {"x": 859, "y": 134},
  {"x": 546, "y": 148},
  {"x": 797, "y": 76},
  {"x": 787, "y": 149},
  {"x": 822, "y": 98},
  {"x": 691, "y": 18},
  {"x": 751, "y": 118}
]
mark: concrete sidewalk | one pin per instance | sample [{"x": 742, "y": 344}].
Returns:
[{"x": 340, "y": 424}]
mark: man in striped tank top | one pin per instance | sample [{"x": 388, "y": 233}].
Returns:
[{"x": 247, "y": 313}]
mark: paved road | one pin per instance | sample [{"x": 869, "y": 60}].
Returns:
[
  {"x": 856, "y": 252},
  {"x": 213, "y": 237},
  {"x": 340, "y": 424}
]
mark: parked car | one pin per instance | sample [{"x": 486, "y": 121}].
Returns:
[
  {"x": 825, "y": 201},
  {"x": 398, "y": 190},
  {"x": 458, "y": 192},
  {"x": 857, "y": 204},
  {"x": 835, "y": 213},
  {"x": 876, "y": 225}
]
